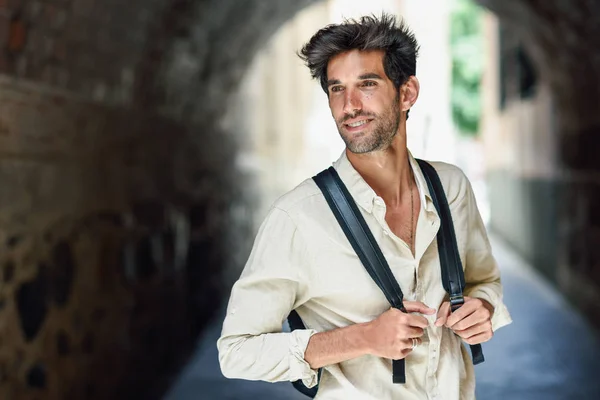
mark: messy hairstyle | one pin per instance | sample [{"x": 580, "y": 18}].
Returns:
[{"x": 368, "y": 33}]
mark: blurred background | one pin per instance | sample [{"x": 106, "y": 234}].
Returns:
[{"x": 142, "y": 142}]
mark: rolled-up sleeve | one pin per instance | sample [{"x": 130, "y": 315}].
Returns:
[
  {"x": 482, "y": 275},
  {"x": 252, "y": 345}
]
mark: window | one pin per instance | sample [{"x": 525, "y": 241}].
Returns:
[{"x": 518, "y": 78}]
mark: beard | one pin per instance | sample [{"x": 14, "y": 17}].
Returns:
[{"x": 383, "y": 129}]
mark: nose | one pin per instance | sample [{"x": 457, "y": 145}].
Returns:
[{"x": 352, "y": 102}]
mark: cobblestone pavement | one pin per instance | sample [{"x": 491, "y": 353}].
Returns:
[{"x": 549, "y": 352}]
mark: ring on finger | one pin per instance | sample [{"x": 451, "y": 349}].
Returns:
[{"x": 415, "y": 343}]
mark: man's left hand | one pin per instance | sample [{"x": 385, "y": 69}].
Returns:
[{"x": 472, "y": 321}]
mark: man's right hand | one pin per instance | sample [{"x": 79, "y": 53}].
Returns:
[{"x": 390, "y": 335}]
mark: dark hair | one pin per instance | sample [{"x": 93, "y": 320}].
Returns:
[{"x": 368, "y": 33}]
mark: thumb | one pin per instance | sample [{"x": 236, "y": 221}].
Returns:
[
  {"x": 417, "y": 306},
  {"x": 443, "y": 314}
]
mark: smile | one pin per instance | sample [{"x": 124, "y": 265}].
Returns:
[{"x": 358, "y": 123}]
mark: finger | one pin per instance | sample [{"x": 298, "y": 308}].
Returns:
[
  {"x": 477, "y": 317},
  {"x": 486, "y": 304},
  {"x": 482, "y": 337},
  {"x": 417, "y": 321},
  {"x": 417, "y": 306},
  {"x": 474, "y": 330},
  {"x": 410, "y": 320},
  {"x": 408, "y": 343},
  {"x": 413, "y": 332},
  {"x": 443, "y": 313},
  {"x": 405, "y": 352},
  {"x": 479, "y": 314},
  {"x": 463, "y": 312}
]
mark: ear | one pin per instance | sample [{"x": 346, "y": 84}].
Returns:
[{"x": 409, "y": 93}]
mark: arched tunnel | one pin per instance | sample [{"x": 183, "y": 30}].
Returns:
[{"x": 125, "y": 215}]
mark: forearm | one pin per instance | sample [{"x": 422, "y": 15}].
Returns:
[{"x": 337, "y": 345}]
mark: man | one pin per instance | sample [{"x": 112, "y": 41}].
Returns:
[{"x": 301, "y": 259}]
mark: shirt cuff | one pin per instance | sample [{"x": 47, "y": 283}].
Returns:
[
  {"x": 299, "y": 368},
  {"x": 501, "y": 316}
]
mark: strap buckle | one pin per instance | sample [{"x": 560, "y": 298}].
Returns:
[{"x": 456, "y": 301}]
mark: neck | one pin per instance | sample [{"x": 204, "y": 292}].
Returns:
[{"x": 386, "y": 171}]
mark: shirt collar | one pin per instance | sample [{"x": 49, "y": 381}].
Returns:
[{"x": 364, "y": 195}]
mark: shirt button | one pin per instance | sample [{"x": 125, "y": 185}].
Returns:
[{"x": 386, "y": 233}]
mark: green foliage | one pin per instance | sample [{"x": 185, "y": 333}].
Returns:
[{"x": 466, "y": 44}]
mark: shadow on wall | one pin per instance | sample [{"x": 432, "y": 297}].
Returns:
[{"x": 116, "y": 230}]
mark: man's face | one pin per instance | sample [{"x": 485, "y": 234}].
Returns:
[{"x": 363, "y": 100}]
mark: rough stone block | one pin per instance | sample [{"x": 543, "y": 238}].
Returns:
[{"x": 4, "y": 31}]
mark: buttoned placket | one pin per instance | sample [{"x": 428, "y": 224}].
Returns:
[
  {"x": 432, "y": 364},
  {"x": 431, "y": 220},
  {"x": 428, "y": 229}
]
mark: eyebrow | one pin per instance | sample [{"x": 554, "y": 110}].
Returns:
[{"x": 370, "y": 75}]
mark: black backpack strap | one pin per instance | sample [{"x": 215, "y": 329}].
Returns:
[
  {"x": 358, "y": 233},
  {"x": 360, "y": 237},
  {"x": 453, "y": 277}
]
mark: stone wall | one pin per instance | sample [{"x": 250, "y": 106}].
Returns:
[{"x": 112, "y": 243}]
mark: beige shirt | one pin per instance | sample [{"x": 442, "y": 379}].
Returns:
[{"x": 302, "y": 260}]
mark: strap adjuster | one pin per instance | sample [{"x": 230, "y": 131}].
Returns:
[{"x": 456, "y": 302}]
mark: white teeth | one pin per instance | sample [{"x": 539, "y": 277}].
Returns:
[{"x": 359, "y": 123}]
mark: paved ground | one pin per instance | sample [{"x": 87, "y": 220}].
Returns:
[{"x": 549, "y": 352}]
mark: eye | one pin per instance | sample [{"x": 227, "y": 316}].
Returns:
[
  {"x": 335, "y": 89},
  {"x": 369, "y": 83}
]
